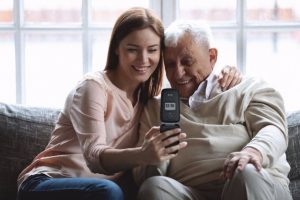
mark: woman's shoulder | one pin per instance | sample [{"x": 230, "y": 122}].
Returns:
[
  {"x": 91, "y": 87},
  {"x": 96, "y": 78}
]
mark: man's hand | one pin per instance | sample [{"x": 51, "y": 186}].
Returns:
[
  {"x": 238, "y": 160},
  {"x": 230, "y": 76}
]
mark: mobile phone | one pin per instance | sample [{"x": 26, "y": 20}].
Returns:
[{"x": 169, "y": 111}]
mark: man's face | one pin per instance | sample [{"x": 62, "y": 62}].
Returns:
[{"x": 188, "y": 64}]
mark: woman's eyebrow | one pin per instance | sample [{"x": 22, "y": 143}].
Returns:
[{"x": 134, "y": 45}]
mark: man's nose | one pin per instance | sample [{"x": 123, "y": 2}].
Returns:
[{"x": 179, "y": 71}]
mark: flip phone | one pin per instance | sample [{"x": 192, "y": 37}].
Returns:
[{"x": 169, "y": 110}]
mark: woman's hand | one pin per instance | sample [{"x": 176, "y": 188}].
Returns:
[
  {"x": 157, "y": 146},
  {"x": 238, "y": 160},
  {"x": 229, "y": 77}
]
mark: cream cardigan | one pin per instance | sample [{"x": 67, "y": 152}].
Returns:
[{"x": 245, "y": 115}]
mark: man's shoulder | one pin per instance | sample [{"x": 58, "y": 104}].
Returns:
[
  {"x": 153, "y": 103},
  {"x": 151, "y": 111},
  {"x": 252, "y": 85},
  {"x": 253, "y": 79},
  {"x": 254, "y": 82}
]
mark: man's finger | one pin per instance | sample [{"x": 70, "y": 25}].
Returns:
[{"x": 256, "y": 164}]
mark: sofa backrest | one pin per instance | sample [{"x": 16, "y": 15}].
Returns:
[
  {"x": 293, "y": 152},
  {"x": 24, "y": 132}
]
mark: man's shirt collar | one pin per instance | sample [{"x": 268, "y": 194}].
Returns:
[{"x": 203, "y": 91}]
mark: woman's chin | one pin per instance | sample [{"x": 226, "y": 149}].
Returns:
[{"x": 142, "y": 79}]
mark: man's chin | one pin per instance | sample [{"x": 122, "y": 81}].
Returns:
[{"x": 184, "y": 92}]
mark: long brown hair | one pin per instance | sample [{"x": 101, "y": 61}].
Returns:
[{"x": 131, "y": 20}]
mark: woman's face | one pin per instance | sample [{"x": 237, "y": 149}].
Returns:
[{"x": 139, "y": 54}]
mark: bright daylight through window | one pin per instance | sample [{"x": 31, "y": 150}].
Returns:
[{"x": 46, "y": 46}]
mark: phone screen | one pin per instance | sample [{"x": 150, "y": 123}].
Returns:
[{"x": 169, "y": 109}]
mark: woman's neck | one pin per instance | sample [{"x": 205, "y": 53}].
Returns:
[{"x": 130, "y": 89}]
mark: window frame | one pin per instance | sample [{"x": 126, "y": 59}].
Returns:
[
  {"x": 168, "y": 10},
  {"x": 86, "y": 28},
  {"x": 241, "y": 27}
]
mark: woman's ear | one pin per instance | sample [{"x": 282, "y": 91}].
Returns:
[{"x": 213, "y": 56}]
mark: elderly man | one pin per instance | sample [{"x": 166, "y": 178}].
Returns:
[{"x": 236, "y": 140}]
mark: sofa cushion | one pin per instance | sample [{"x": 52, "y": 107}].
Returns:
[
  {"x": 293, "y": 152},
  {"x": 25, "y": 131}
]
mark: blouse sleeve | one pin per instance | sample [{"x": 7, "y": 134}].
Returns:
[{"x": 87, "y": 114}]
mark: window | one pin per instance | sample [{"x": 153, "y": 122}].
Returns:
[
  {"x": 46, "y": 46},
  {"x": 7, "y": 53},
  {"x": 7, "y": 67},
  {"x": 6, "y": 12},
  {"x": 55, "y": 12}
]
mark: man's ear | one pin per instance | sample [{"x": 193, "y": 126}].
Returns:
[{"x": 213, "y": 56}]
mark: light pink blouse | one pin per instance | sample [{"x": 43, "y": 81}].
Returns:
[{"x": 97, "y": 115}]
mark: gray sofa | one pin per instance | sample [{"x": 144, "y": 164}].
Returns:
[{"x": 25, "y": 131}]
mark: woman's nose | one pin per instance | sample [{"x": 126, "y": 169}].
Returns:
[{"x": 143, "y": 57}]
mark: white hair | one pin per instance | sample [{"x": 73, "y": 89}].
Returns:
[{"x": 199, "y": 30}]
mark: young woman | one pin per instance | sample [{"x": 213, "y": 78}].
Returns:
[{"x": 94, "y": 139}]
